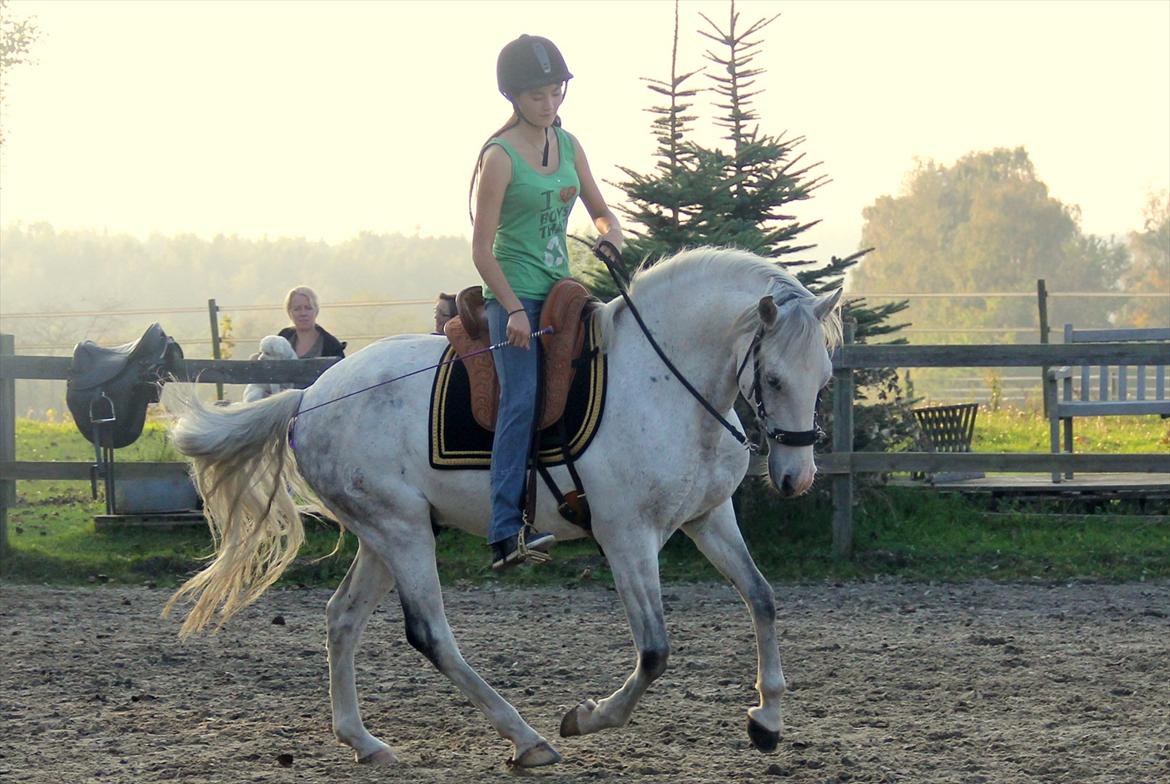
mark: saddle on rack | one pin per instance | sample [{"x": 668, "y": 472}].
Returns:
[
  {"x": 109, "y": 389},
  {"x": 565, "y": 310}
]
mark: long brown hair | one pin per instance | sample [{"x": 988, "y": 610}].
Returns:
[{"x": 513, "y": 121}]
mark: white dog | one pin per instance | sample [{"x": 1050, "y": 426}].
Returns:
[{"x": 271, "y": 347}]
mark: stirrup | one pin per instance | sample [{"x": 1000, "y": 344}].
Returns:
[{"x": 524, "y": 553}]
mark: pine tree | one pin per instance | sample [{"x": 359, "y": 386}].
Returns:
[
  {"x": 741, "y": 197},
  {"x": 661, "y": 204}
]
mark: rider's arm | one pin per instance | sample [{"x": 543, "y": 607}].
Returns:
[
  {"x": 494, "y": 175},
  {"x": 603, "y": 217}
]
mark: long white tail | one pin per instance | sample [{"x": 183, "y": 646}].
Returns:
[{"x": 243, "y": 468}]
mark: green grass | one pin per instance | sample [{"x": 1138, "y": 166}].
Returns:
[
  {"x": 908, "y": 533},
  {"x": 1016, "y": 430}
]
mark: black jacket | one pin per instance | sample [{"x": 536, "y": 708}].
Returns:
[{"x": 332, "y": 347}]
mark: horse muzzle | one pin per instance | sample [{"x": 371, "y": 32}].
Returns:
[{"x": 790, "y": 474}]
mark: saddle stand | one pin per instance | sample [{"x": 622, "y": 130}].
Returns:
[
  {"x": 102, "y": 416},
  {"x": 108, "y": 391}
]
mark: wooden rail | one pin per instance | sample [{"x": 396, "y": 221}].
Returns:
[
  {"x": 843, "y": 464},
  {"x": 215, "y": 371}
]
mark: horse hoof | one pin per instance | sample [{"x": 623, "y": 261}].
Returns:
[
  {"x": 540, "y": 754},
  {"x": 762, "y": 738},
  {"x": 569, "y": 726},
  {"x": 571, "y": 723},
  {"x": 381, "y": 757}
]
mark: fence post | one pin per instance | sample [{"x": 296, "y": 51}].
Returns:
[
  {"x": 843, "y": 445},
  {"x": 213, "y": 314},
  {"x": 1042, "y": 304},
  {"x": 7, "y": 441}
]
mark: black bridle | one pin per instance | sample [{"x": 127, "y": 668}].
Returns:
[{"x": 779, "y": 435}]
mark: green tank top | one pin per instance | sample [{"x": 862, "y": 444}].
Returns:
[{"x": 530, "y": 240}]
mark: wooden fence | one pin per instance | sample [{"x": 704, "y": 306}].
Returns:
[{"x": 843, "y": 464}]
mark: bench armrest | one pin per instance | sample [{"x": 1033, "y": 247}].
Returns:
[{"x": 1055, "y": 374}]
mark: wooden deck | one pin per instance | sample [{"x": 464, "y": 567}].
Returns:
[{"x": 1037, "y": 487}]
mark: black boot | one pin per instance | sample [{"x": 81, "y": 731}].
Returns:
[{"x": 528, "y": 544}]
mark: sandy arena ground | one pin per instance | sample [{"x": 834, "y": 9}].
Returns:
[{"x": 889, "y": 683}]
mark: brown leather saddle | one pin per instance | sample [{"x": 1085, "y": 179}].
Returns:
[{"x": 565, "y": 310}]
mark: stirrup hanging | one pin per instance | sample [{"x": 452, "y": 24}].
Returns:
[{"x": 525, "y": 554}]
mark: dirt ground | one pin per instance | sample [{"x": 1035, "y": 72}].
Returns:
[{"x": 889, "y": 682}]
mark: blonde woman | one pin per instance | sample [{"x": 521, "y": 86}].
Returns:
[{"x": 308, "y": 338}]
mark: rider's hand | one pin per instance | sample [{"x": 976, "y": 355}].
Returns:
[
  {"x": 613, "y": 237},
  {"x": 519, "y": 330}
]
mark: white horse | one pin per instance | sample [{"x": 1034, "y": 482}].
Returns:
[
  {"x": 271, "y": 347},
  {"x": 658, "y": 463}
]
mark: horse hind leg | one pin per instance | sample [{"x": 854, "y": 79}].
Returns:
[
  {"x": 718, "y": 538},
  {"x": 409, "y": 552},
  {"x": 366, "y": 582},
  {"x": 635, "y": 570}
]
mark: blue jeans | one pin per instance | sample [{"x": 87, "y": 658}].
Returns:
[{"x": 516, "y": 369}]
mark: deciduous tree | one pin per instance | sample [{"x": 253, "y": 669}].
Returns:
[
  {"x": 985, "y": 224},
  {"x": 1149, "y": 271},
  {"x": 16, "y": 39}
]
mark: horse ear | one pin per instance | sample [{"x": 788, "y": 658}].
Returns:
[
  {"x": 826, "y": 303},
  {"x": 768, "y": 310}
]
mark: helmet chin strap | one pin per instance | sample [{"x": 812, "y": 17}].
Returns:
[
  {"x": 556, "y": 121},
  {"x": 544, "y": 155}
]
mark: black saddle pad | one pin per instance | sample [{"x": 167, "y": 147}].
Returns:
[{"x": 458, "y": 442}]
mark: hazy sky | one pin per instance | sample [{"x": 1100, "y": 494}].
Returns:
[{"x": 326, "y": 119}]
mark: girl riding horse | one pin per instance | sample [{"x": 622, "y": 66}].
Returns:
[{"x": 529, "y": 174}]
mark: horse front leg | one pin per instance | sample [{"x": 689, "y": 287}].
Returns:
[
  {"x": 366, "y": 582},
  {"x": 634, "y": 563},
  {"x": 718, "y": 538}
]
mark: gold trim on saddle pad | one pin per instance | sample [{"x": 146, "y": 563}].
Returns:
[{"x": 458, "y": 442}]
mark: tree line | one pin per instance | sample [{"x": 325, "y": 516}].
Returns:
[
  {"x": 985, "y": 223},
  {"x": 988, "y": 223},
  {"x": 47, "y": 270}
]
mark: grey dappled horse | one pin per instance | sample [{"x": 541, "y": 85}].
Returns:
[{"x": 657, "y": 463}]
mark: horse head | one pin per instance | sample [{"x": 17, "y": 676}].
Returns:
[{"x": 782, "y": 373}]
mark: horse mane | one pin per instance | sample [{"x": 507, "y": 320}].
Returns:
[{"x": 686, "y": 268}]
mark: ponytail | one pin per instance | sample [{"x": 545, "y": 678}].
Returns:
[{"x": 513, "y": 121}]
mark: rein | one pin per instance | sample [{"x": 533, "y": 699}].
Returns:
[
  {"x": 456, "y": 358},
  {"x": 779, "y": 435}
]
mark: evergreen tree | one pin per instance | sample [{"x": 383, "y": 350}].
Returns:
[{"x": 740, "y": 197}]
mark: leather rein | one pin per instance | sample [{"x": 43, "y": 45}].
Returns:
[{"x": 782, "y": 437}]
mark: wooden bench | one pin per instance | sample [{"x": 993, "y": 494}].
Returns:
[{"x": 1112, "y": 394}]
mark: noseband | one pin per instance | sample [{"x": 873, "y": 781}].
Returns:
[{"x": 779, "y": 435}]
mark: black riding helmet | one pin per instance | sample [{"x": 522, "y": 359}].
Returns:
[{"x": 528, "y": 62}]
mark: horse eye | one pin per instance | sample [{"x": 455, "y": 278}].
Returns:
[{"x": 773, "y": 381}]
